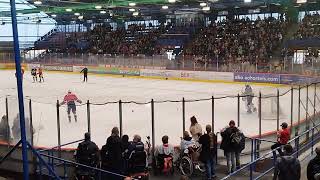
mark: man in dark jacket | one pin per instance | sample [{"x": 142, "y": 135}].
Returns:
[
  {"x": 111, "y": 156},
  {"x": 287, "y": 166},
  {"x": 313, "y": 169},
  {"x": 231, "y": 148},
  {"x": 207, "y": 152},
  {"x": 85, "y": 74}
]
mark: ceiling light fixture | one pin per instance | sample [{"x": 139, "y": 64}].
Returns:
[
  {"x": 171, "y": 1},
  {"x": 247, "y": 1},
  {"x": 132, "y": 10},
  {"x": 301, "y": 1},
  {"x": 135, "y": 13},
  {"x": 103, "y": 12},
  {"x": 80, "y": 17},
  {"x": 69, "y": 10},
  {"x": 132, "y": 4},
  {"x": 165, "y": 7},
  {"x": 203, "y": 4},
  {"x": 98, "y": 7},
  {"x": 77, "y": 14},
  {"x": 207, "y": 8},
  {"x": 37, "y": 2},
  {"x": 53, "y": 15}
]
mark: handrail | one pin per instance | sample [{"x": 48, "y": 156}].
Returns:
[
  {"x": 270, "y": 152},
  {"x": 56, "y": 147}
]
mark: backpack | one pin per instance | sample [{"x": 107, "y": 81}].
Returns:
[{"x": 238, "y": 139}]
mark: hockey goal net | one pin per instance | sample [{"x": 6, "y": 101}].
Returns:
[{"x": 269, "y": 108}]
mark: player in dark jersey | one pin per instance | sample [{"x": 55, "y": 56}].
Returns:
[
  {"x": 85, "y": 74},
  {"x": 34, "y": 74}
]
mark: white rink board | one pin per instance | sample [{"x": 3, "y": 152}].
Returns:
[{"x": 136, "y": 118}]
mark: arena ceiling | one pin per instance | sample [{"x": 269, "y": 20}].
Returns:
[{"x": 66, "y": 10}]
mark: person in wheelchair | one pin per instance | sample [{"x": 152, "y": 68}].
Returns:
[
  {"x": 86, "y": 154},
  {"x": 137, "y": 159},
  {"x": 164, "y": 155}
]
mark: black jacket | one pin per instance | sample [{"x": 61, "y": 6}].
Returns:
[
  {"x": 206, "y": 152},
  {"x": 87, "y": 153},
  {"x": 287, "y": 167},
  {"x": 226, "y": 143},
  {"x": 111, "y": 155},
  {"x": 313, "y": 167}
]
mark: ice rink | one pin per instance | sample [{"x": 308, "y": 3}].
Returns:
[{"x": 101, "y": 89}]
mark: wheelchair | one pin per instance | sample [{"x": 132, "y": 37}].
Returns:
[
  {"x": 137, "y": 165},
  {"x": 83, "y": 173},
  {"x": 187, "y": 165},
  {"x": 163, "y": 164}
]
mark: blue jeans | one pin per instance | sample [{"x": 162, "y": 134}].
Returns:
[
  {"x": 233, "y": 161},
  {"x": 210, "y": 168}
]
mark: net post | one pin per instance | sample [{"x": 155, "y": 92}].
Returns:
[
  {"x": 238, "y": 113},
  {"x": 260, "y": 126},
  {"x": 31, "y": 123},
  {"x": 299, "y": 106},
  {"x": 212, "y": 113},
  {"x": 120, "y": 118},
  {"x": 7, "y": 114},
  {"x": 291, "y": 111},
  {"x": 88, "y": 117},
  {"x": 278, "y": 109},
  {"x": 183, "y": 115},
  {"x": 307, "y": 113},
  {"x": 152, "y": 123},
  {"x": 58, "y": 128}
]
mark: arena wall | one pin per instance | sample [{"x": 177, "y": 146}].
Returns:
[{"x": 14, "y": 163}]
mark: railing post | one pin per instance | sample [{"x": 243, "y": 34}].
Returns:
[
  {"x": 252, "y": 157},
  {"x": 257, "y": 150},
  {"x": 297, "y": 144},
  {"x": 58, "y": 128},
  {"x": 7, "y": 114},
  {"x": 299, "y": 104},
  {"x": 120, "y": 118},
  {"x": 31, "y": 123},
  {"x": 278, "y": 109},
  {"x": 291, "y": 111},
  {"x": 314, "y": 116},
  {"x": 183, "y": 115},
  {"x": 212, "y": 113},
  {"x": 238, "y": 113},
  {"x": 307, "y": 113},
  {"x": 88, "y": 117},
  {"x": 152, "y": 123}
]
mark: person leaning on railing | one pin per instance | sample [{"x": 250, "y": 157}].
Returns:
[{"x": 283, "y": 136}]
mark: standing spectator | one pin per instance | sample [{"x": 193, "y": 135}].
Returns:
[
  {"x": 232, "y": 144},
  {"x": 195, "y": 129},
  {"x": 207, "y": 153},
  {"x": 87, "y": 153},
  {"x": 124, "y": 151},
  {"x": 313, "y": 169},
  {"x": 287, "y": 166},
  {"x": 111, "y": 156},
  {"x": 283, "y": 137}
]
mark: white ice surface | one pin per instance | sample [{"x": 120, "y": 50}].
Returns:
[{"x": 136, "y": 118}]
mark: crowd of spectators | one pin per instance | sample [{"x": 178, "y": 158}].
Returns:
[
  {"x": 309, "y": 27},
  {"x": 238, "y": 40}
]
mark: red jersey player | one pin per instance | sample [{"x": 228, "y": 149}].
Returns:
[
  {"x": 40, "y": 73},
  {"x": 70, "y": 99}
]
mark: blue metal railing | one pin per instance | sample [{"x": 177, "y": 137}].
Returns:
[{"x": 297, "y": 148}]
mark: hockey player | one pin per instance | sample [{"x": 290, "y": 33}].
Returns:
[
  {"x": 34, "y": 74},
  {"x": 85, "y": 74},
  {"x": 40, "y": 73},
  {"x": 248, "y": 93},
  {"x": 70, "y": 99}
]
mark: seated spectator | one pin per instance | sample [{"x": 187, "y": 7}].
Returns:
[
  {"x": 137, "y": 159},
  {"x": 287, "y": 166},
  {"x": 313, "y": 169},
  {"x": 232, "y": 138},
  {"x": 111, "y": 157},
  {"x": 207, "y": 154},
  {"x": 124, "y": 150},
  {"x": 195, "y": 129},
  {"x": 164, "y": 154},
  {"x": 186, "y": 141},
  {"x": 87, "y": 152},
  {"x": 4, "y": 129},
  {"x": 283, "y": 136}
]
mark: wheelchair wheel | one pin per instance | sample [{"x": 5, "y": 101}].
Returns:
[{"x": 186, "y": 166}]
